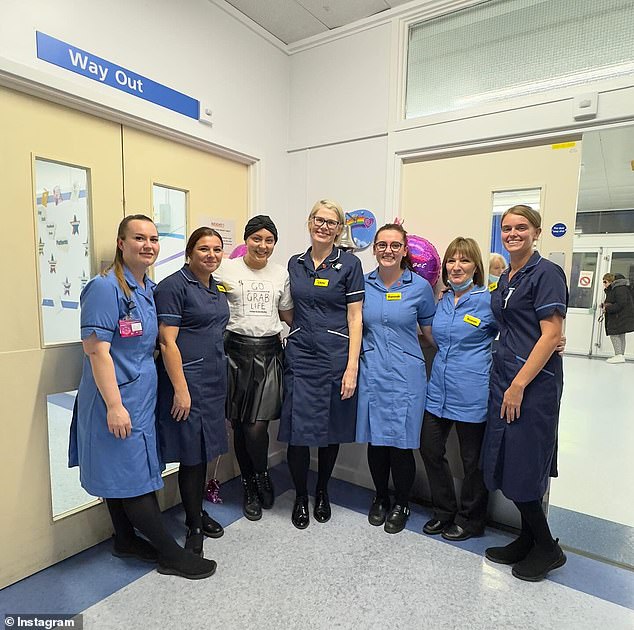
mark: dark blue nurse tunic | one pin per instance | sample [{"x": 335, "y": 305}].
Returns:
[
  {"x": 518, "y": 458},
  {"x": 201, "y": 313},
  {"x": 316, "y": 354}
]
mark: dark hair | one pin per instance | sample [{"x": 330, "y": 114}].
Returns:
[
  {"x": 117, "y": 263},
  {"x": 469, "y": 248},
  {"x": 406, "y": 261},
  {"x": 196, "y": 235},
  {"x": 533, "y": 217}
]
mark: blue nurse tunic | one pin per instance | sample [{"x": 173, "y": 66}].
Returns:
[
  {"x": 392, "y": 375},
  {"x": 316, "y": 354},
  {"x": 458, "y": 387},
  {"x": 518, "y": 458},
  {"x": 112, "y": 467},
  {"x": 201, "y": 314}
]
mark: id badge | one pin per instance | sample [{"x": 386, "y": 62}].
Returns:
[{"x": 130, "y": 328}]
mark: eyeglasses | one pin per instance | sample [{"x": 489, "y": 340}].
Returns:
[
  {"x": 381, "y": 246},
  {"x": 330, "y": 223}
]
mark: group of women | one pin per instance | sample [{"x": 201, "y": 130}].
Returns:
[{"x": 352, "y": 370}]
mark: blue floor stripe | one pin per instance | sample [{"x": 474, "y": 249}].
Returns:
[{"x": 79, "y": 582}]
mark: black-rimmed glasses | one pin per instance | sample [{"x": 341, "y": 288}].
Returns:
[
  {"x": 321, "y": 221},
  {"x": 381, "y": 246}
]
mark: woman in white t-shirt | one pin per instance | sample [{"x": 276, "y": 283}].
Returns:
[{"x": 259, "y": 301}]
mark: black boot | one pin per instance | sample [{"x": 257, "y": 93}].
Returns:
[
  {"x": 513, "y": 552},
  {"x": 251, "y": 506},
  {"x": 188, "y": 565},
  {"x": 265, "y": 489},
  {"x": 300, "y": 517},
  {"x": 539, "y": 562}
]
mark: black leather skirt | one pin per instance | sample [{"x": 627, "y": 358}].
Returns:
[{"x": 254, "y": 387}]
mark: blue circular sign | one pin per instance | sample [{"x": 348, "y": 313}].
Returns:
[
  {"x": 362, "y": 227},
  {"x": 558, "y": 230}
]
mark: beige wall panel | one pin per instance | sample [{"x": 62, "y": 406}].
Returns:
[
  {"x": 216, "y": 187},
  {"x": 450, "y": 197},
  {"x": 29, "y": 128}
]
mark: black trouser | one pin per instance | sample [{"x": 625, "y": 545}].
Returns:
[
  {"x": 471, "y": 515},
  {"x": 400, "y": 462}
]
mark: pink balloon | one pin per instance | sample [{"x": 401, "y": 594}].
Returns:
[
  {"x": 238, "y": 251},
  {"x": 425, "y": 258}
]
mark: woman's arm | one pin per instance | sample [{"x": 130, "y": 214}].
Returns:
[
  {"x": 287, "y": 317},
  {"x": 103, "y": 372},
  {"x": 355, "y": 327},
  {"x": 551, "y": 331},
  {"x": 174, "y": 366},
  {"x": 427, "y": 336}
]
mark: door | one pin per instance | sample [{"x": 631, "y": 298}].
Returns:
[
  {"x": 47, "y": 252},
  {"x": 585, "y": 285}
]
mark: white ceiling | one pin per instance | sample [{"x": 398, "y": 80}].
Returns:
[
  {"x": 293, "y": 20},
  {"x": 607, "y": 178}
]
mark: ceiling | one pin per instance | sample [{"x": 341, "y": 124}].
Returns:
[
  {"x": 293, "y": 20},
  {"x": 606, "y": 180}
]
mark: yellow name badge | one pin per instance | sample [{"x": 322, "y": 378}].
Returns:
[
  {"x": 390, "y": 297},
  {"x": 493, "y": 286},
  {"x": 470, "y": 319},
  {"x": 321, "y": 282},
  {"x": 221, "y": 288}
]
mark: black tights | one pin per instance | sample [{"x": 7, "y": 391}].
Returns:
[
  {"x": 534, "y": 524},
  {"x": 382, "y": 460},
  {"x": 191, "y": 482},
  {"x": 298, "y": 458},
  {"x": 144, "y": 514},
  {"x": 251, "y": 444}
]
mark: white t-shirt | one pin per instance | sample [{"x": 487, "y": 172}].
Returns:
[{"x": 255, "y": 296}]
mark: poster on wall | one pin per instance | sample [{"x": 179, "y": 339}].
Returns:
[
  {"x": 63, "y": 245},
  {"x": 226, "y": 228}
]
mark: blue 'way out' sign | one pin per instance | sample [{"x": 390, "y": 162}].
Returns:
[{"x": 77, "y": 60}]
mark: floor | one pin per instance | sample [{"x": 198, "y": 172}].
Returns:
[{"x": 343, "y": 574}]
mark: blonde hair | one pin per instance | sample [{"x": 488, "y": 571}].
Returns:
[
  {"x": 330, "y": 205},
  {"x": 118, "y": 264},
  {"x": 469, "y": 248},
  {"x": 495, "y": 257}
]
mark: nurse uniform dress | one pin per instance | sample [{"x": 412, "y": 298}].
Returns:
[
  {"x": 392, "y": 374},
  {"x": 201, "y": 313},
  {"x": 518, "y": 458},
  {"x": 111, "y": 467},
  {"x": 316, "y": 354}
]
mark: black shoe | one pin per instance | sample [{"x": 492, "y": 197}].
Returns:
[
  {"x": 136, "y": 548},
  {"x": 378, "y": 511},
  {"x": 264, "y": 486},
  {"x": 251, "y": 506},
  {"x": 187, "y": 565},
  {"x": 539, "y": 562},
  {"x": 512, "y": 553},
  {"x": 396, "y": 519},
  {"x": 211, "y": 528},
  {"x": 322, "y": 511},
  {"x": 455, "y": 533},
  {"x": 435, "y": 526},
  {"x": 300, "y": 517},
  {"x": 194, "y": 541}
]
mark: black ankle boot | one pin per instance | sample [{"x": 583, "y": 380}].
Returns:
[
  {"x": 322, "y": 511},
  {"x": 251, "y": 506},
  {"x": 265, "y": 489},
  {"x": 300, "y": 517},
  {"x": 539, "y": 562},
  {"x": 511, "y": 553},
  {"x": 188, "y": 565}
]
